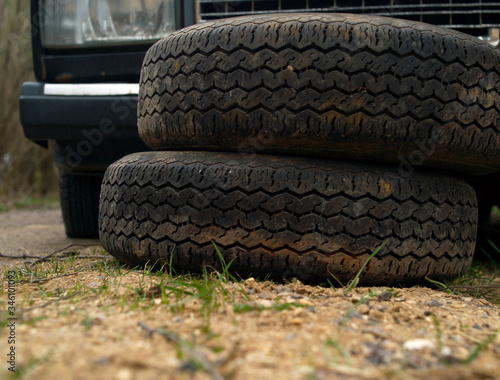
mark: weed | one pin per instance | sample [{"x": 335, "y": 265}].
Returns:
[
  {"x": 481, "y": 281},
  {"x": 87, "y": 322},
  {"x": 480, "y": 347},
  {"x": 338, "y": 347},
  {"x": 355, "y": 281},
  {"x": 439, "y": 285},
  {"x": 336, "y": 279},
  {"x": 225, "y": 276},
  {"x": 439, "y": 334}
]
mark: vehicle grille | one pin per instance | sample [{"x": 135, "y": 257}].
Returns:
[{"x": 456, "y": 14}]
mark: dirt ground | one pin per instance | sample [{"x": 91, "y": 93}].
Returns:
[
  {"x": 91, "y": 323},
  {"x": 34, "y": 232}
]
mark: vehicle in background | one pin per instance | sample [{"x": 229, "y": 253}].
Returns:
[{"x": 87, "y": 60}]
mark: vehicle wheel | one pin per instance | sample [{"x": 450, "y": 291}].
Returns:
[
  {"x": 329, "y": 85},
  {"x": 286, "y": 217},
  {"x": 487, "y": 189},
  {"x": 79, "y": 197}
]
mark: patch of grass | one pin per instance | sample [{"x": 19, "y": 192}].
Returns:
[
  {"x": 245, "y": 308},
  {"x": 24, "y": 371},
  {"x": 481, "y": 281},
  {"x": 175, "y": 291},
  {"x": 193, "y": 357},
  {"x": 31, "y": 203},
  {"x": 67, "y": 285},
  {"x": 207, "y": 289}
]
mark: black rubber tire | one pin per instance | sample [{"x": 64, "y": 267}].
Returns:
[
  {"x": 487, "y": 189},
  {"x": 79, "y": 198},
  {"x": 325, "y": 85},
  {"x": 287, "y": 217}
]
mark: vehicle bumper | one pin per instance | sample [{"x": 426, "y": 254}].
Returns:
[{"x": 89, "y": 126}]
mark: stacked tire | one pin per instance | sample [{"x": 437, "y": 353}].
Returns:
[{"x": 298, "y": 144}]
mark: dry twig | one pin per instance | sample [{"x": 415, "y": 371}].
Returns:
[
  {"x": 49, "y": 303},
  {"x": 49, "y": 256},
  {"x": 62, "y": 275}
]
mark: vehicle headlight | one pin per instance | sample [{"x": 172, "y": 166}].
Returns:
[{"x": 85, "y": 23}]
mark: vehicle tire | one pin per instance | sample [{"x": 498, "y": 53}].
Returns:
[
  {"x": 286, "y": 217},
  {"x": 79, "y": 198},
  {"x": 325, "y": 85}
]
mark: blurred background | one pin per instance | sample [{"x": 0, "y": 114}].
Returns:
[{"x": 26, "y": 170}]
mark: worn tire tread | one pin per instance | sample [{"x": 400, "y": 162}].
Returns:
[
  {"x": 332, "y": 85},
  {"x": 287, "y": 217}
]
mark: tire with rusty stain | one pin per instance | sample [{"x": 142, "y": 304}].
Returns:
[
  {"x": 287, "y": 217},
  {"x": 326, "y": 85}
]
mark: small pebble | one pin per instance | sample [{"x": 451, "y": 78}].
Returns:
[
  {"x": 363, "y": 309},
  {"x": 378, "y": 354},
  {"x": 296, "y": 321},
  {"x": 102, "y": 361},
  {"x": 445, "y": 351},
  {"x": 123, "y": 374},
  {"x": 265, "y": 303},
  {"x": 188, "y": 366},
  {"x": 385, "y": 296},
  {"x": 418, "y": 344},
  {"x": 434, "y": 303},
  {"x": 283, "y": 289},
  {"x": 375, "y": 313},
  {"x": 377, "y": 332}
]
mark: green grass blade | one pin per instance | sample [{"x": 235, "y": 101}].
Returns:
[
  {"x": 337, "y": 280},
  {"x": 494, "y": 246},
  {"x": 480, "y": 347},
  {"x": 355, "y": 281}
]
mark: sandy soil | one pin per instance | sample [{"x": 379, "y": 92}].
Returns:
[{"x": 255, "y": 330}]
